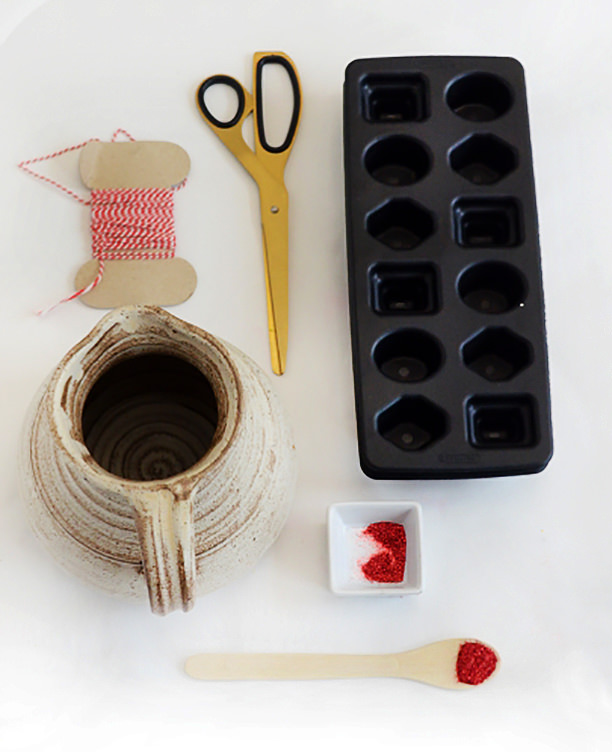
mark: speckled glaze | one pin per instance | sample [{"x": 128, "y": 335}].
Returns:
[{"x": 179, "y": 536}]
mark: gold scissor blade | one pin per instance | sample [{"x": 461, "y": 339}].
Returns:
[{"x": 275, "y": 226}]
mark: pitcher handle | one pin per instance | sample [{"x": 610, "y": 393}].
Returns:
[{"x": 165, "y": 530}]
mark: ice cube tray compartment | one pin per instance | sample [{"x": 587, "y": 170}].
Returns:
[{"x": 446, "y": 303}]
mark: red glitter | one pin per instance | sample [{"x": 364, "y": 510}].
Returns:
[
  {"x": 387, "y": 565},
  {"x": 475, "y": 663}
]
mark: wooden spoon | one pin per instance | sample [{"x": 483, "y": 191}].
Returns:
[{"x": 451, "y": 664}]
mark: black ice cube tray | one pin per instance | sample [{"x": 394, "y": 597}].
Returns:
[{"x": 447, "y": 311}]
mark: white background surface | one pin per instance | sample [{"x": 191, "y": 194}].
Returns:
[{"x": 524, "y": 563}]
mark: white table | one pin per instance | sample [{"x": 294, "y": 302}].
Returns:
[{"x": 524, "y": 563}]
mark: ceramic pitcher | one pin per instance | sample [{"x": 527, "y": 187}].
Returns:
[{"x": 157, "y": 460}]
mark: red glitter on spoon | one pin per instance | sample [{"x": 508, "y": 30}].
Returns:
[{"x": 475, "y": 663}]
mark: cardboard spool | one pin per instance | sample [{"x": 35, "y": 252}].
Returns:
[{"x": 135, "y": 164}]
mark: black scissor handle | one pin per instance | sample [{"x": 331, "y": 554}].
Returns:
[
  {"x": 297, "y": 102},
  {"x": 225, "y": 81}
]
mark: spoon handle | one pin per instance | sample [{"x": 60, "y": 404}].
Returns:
[{"x": 289, "y": 666}]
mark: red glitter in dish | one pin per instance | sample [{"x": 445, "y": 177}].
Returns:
[
  {"x": 387, "y": 565},
  {"x": 475, "y": 663}
]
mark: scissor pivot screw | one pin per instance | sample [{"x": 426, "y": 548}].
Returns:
[{"x": 274, "y": 209}]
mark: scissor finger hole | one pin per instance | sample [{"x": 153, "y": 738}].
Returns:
[
  {"x": 221, "y": 99},
  {"x": 278, "y": 103}
]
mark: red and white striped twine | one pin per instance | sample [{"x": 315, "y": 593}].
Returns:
[{"x": 124, "y": 221}]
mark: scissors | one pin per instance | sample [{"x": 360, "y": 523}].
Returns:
[{"x": 266, "y": 165}]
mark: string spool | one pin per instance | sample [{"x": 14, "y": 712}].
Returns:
[{"x": 132, "y": 187}]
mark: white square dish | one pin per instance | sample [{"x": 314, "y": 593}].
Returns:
[{"x": 349, "y": 548}]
